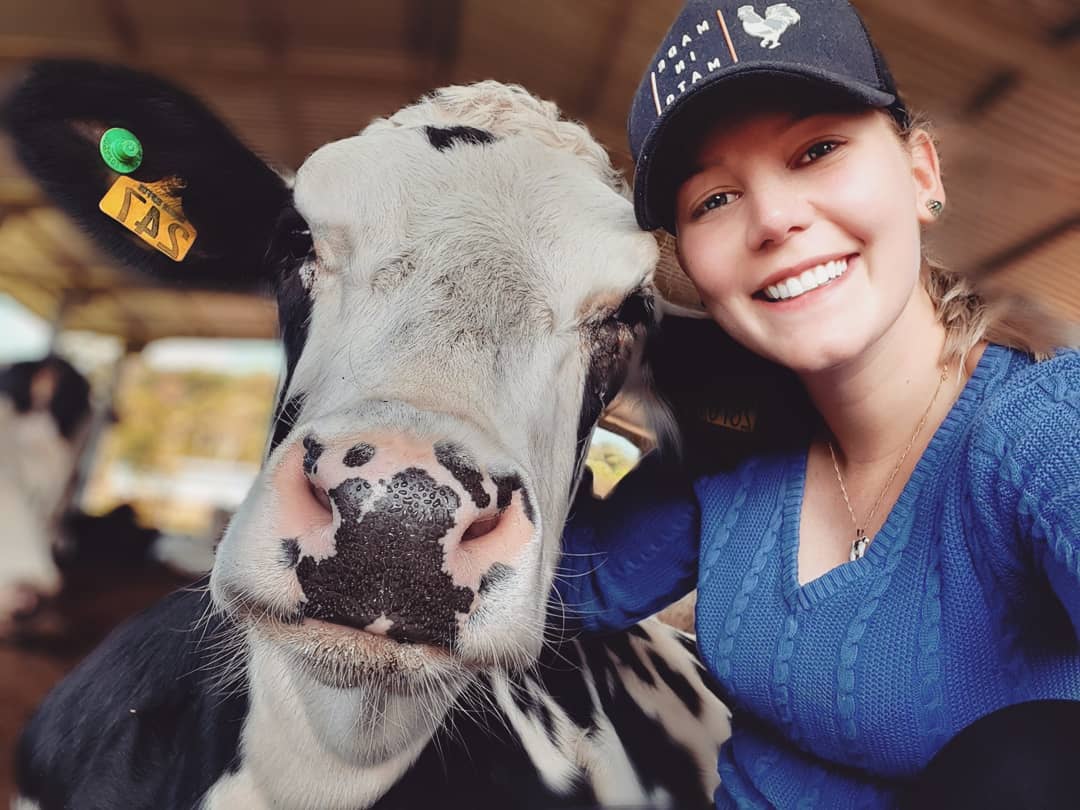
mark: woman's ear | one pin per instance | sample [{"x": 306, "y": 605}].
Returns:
[{"x": 926, "y": 172}]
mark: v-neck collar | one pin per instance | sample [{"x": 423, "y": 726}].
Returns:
[{"x": 889, "y": 537}]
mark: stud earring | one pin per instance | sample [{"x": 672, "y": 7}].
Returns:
[{"x": 935, "y": 207}]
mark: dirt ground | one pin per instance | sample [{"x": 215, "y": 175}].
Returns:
[{"x": 94, "y": 601}]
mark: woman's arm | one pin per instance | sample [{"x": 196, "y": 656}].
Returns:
[
  {"x": 629, "y": 555},
  {"x": 1030, "y": 487}
]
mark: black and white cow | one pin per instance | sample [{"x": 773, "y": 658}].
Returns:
[
  {"x": 44, "y": 405},
  {"x": 460, "y": 289}
]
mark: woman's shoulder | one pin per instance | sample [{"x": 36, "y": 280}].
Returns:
[
  {"x": 1022, "y": 391},
  {"x": 1029, "y": 417}
]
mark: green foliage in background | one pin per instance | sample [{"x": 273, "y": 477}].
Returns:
[
  {"x": 168, "y": 415},
  {"x": 609, "y": 461}
]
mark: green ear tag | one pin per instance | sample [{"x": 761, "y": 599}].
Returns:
[{"x": 121, "y": 150}]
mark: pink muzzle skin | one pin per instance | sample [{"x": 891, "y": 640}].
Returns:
[{"x": 396, "y": 535}]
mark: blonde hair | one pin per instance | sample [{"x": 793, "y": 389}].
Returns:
[{"x": 972, "y": 312}]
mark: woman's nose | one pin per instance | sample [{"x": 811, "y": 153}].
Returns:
[{"x": 777, "y": 210}]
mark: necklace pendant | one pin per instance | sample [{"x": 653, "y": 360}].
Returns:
[{"x": 858, "y": 546}]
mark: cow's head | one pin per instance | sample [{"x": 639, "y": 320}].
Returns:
[{"x": 460, "y": 287}]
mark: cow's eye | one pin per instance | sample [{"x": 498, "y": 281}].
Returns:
[
  {"x": 294, "y": 235},
  {"x": 636, "y": 308},
  {"x": 292, "y": 244}
]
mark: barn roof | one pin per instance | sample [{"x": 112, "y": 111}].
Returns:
[{"x": 996, "y": 76}]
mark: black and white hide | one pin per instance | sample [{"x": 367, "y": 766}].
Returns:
[
  {"x": 44, "y": 404},
  {"x": 461, "y": 288}
]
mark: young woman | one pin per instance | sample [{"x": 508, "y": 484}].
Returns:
[{"x": 889, "y": 584}]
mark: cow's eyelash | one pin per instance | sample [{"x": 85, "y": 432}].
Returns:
[
  {"x": 635, "y": 309},
  {"x": 294, "y": 235},
  {"x": 291, "y": 245}
]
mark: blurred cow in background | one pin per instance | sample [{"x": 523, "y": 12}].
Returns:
[{"x": 44, "y": 407}]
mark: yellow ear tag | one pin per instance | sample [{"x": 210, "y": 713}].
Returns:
[{"x": 151, "y": 212}]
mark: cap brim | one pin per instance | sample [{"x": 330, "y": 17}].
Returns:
[{"x": 645, "y": 208}]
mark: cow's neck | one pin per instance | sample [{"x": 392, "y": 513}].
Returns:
[{"x": 307, "y": 744}]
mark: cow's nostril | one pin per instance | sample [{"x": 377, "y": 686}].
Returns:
[
  {"x": 320, "y": 496},
  {"x": 481, "y": 527}
]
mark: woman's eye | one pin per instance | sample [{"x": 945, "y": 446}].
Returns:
[
  {"x": 717, "y": 200},
  {"x": 817, "y": 151}
]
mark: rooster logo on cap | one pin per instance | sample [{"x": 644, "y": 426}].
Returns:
[{"x": 778, "y": 18}]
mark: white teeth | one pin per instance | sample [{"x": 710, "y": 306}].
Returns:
[{"x": 807, "y": 280}]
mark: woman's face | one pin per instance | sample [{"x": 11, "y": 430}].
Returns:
[{"x": 802, "y": 234}]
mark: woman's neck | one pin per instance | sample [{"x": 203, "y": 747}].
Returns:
[{"x": 872, "y": 404}]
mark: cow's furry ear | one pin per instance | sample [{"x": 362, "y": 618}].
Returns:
[{"x": 56, "y": 115}]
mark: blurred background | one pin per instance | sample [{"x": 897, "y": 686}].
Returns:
[{"x": 181, "y": 382}]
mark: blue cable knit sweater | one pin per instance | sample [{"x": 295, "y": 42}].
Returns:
[{"x": 967, "y": 600}]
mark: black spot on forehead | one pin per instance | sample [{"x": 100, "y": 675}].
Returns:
[
  {"x": 286, "y": 418},
  {"x": 312, "y": 450},
  {"x": 443, "y": 138},
  {"x": 389, "y": 560},
  {"x": 358, "y": 455},
  {"x": 464, "y": 470}
]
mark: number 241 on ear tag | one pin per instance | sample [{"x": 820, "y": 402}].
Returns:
[{"x": 150, "y": 212}]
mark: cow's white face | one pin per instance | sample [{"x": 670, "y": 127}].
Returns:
[{"x": 474, "y": 288}]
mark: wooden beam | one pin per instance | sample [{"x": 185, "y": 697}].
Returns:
[
  {"x": 965, "y": 29},
  {"x": 434, "y": 34},
  {"x": 119, "y": 21},
  {"x": 235, "y": 61},
  {"x": 595, "y": 77},
  {"x": 268, "y": 26},
  {"x": 1017, "y": 251}
]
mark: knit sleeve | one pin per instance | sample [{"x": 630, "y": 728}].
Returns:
[
  {"x": 1037, "y": 447},
  {"x": 1049, "y": 503},
  {"x": 631, "y": 554}
]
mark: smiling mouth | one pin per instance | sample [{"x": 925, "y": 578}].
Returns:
[{"x": 804, "y": 282}]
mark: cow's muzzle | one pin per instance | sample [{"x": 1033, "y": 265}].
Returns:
[{"x": 397, "y": 535}]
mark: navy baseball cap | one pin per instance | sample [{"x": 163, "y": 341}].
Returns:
[{"x": 823, "y": 42}]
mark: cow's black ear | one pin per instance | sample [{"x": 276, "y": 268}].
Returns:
[{"x": 193, "y": 169}]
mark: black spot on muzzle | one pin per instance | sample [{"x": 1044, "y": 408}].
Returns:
[
  {"x": 505, "y": 486},
  {"x": 312, "y": 451},
  {"x": 464, "y": 470},
  {"x": 290, "y": 552},
  {"x": 389, "y": 561},
  {"x": 496, "y": 574},
  {"x": 358, "y": 455}
]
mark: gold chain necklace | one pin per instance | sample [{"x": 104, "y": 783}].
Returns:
[{"x": 862, "y": 539}]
